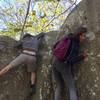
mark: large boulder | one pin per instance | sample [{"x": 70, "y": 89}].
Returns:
[
  {"x": 87, "y": 74},
  {"x": 14, "y": 85}
]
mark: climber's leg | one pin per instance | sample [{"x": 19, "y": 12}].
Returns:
[
  {"x": 32, "y": 68},
  {"x": 6, "y": 69},
  {"x": 18, "y": 60}
]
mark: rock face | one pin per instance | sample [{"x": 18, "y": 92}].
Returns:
[
  {"x": 44, "y": 75},
  {"x": 87, "y": 75},
  {"x": 15, "y": 84}
]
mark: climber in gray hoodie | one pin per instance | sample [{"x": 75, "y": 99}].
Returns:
[{"x": 29, "y": 46}]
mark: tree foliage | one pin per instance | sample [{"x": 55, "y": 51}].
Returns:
[{"x": 12, "y": 15}]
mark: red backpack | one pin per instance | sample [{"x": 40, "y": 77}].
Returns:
[{"x": 60, "y": 49}]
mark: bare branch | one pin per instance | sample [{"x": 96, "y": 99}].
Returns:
[
  {"x": 53, "y": 14},
  {"x": 60, "y": 14},
  {"x": 22, "y": 32}
]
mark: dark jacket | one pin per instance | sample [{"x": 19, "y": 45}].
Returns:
[
  {"x": 30, "y": 42},
  {"x": 74, "y": 52}
]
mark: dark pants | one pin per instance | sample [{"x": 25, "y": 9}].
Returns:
[{"x": 63, "y": 76}]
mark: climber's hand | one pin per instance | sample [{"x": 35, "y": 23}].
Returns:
[{"x": 85, "y": 54}]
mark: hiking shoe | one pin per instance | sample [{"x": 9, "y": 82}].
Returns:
[{"x": 33, "y": 90}]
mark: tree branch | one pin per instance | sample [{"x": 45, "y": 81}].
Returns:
[
  {"x": 53, "y": 14},
  {"x": 60, "y": 14},
  {"x": 22, "y": 32}
]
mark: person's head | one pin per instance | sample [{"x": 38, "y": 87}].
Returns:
[
  {"x": 27, "y": 35},
  {"x": 81, "y": 33}
]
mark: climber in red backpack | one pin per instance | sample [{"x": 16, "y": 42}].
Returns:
[
  {"x": 29, "y": 45},
  {"x": 67, "y": 53}
]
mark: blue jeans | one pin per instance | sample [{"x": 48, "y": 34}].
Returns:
[{"x": 63, "y": 76}]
